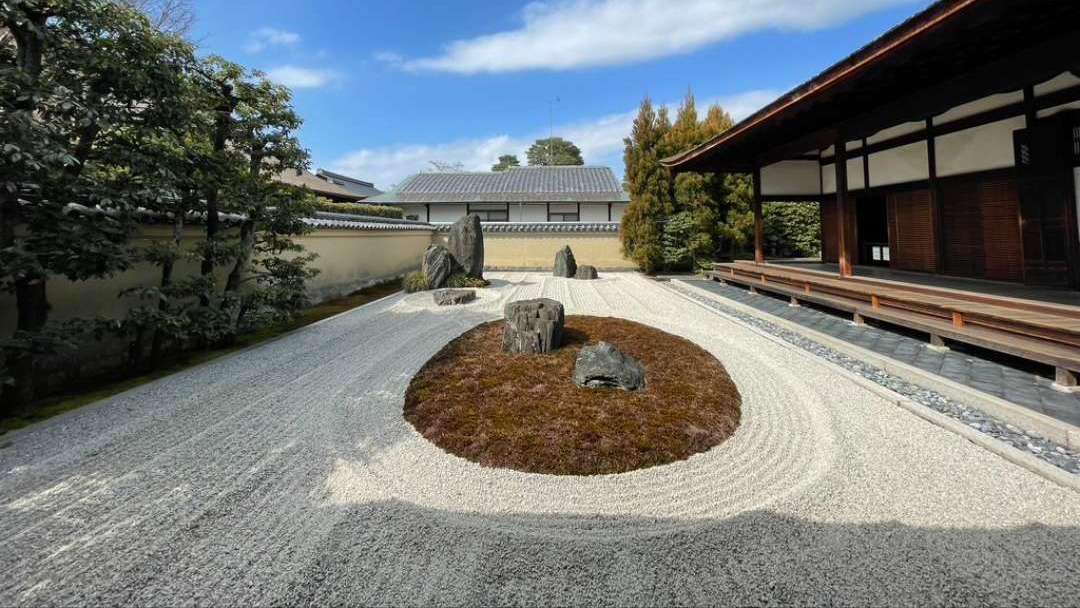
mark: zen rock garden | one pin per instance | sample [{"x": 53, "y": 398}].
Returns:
[{"x": 451, "y": 270}]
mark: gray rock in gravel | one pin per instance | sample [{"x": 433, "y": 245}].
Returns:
[
  {"x": 533, "y": 326},
  {"x": 450, "y": 297},
  {"x": 565, "y": 264},
  {"x": 466, "y": 244},
  {"x": 601, "y": 365},
  {"x": 585, "y": 272},
  {"x": 438, "y": 265}
]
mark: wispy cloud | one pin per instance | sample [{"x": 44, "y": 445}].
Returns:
[
  {"x": 265, "y": 37},
  {"x": 298, "y": 77},
  {"x": 568, "y": 34},
  {"x": 600, "y": 140}
]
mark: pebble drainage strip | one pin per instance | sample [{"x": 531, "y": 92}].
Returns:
[{"x": 1049, "y": 451}]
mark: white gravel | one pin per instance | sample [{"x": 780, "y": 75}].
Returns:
[{"x": 285, "y": 474}]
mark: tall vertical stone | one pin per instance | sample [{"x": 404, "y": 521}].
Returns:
[
  {"x": 565, "y": 264},
  {"x": 466, "y": 244},
  {"x": 533, "y": 326}
]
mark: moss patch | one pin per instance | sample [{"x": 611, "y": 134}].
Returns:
[
  {"x": 58, "y": 404},
  {"x": 524, "y": 412}
]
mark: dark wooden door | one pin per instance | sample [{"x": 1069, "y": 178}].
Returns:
[
  {"x": 1044, "y": 161},
  {"x": 830, "y": 238},
  {"x": 912, "y": 242}
]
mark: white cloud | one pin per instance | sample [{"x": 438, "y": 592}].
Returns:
[
  {"x": 389, "y": 57},
  {"x": 600, "y": 140},
  {"x": 298, "y": 77},
  {"x": 567, "y": 34},
  {"x": 265, "y": 37}
]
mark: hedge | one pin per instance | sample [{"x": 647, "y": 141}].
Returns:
[{"x": 361, "y": 209}]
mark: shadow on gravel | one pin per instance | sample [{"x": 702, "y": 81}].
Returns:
[{"x": 395, "y": 553}]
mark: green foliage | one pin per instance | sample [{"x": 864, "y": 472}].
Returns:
[
  {"x": 462, "y": 280},
  {"x": 792, "y": 229},
  {"x": 102, "y": 117},
  {"x": 649, "y": 184},
  {"x": 360, "y": 209},
  {"x": 685, "y": 221},
  {"x": 553, "y": 151},
  {"x": 415, "y": 281},
  {"x": 505, "y": 162}
]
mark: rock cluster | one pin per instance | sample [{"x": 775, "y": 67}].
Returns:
[
  {"x": 450, "y": 297},
  {"x": 565, "y": 264},
  {"x": 466, "y": 244},
  {"x": 533, "y": 326},
  {"x": 601, "y": 365}
]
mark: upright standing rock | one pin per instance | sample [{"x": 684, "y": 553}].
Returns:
[
  {"x": 533, "y": 326},
  {"x": 437, "y": 266},
  {"x": 565, "y": 264},
  {"x": 466, "y": 244}
]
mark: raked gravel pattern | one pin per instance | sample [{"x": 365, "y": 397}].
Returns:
[
  {"x": 1047, "y": 450},
  {"x": 285, "y": 475}
]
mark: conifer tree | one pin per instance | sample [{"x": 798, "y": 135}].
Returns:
[{"x": 649, "y": 185}]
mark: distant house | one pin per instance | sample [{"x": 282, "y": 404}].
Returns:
[
  {"x": 358, "y": 187},
  {"x": 333, "y": 186},
  {"x": 521, "y": 194}
]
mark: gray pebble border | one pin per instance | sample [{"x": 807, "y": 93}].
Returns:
[{"x": 1051, "y": 452}]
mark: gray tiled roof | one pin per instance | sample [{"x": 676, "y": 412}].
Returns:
[
  {"x": 358, "y": 187},
  {"x": 347, "y": 221},
  {"x": 542, "y": 227},
  {"x": 519, "y": 184}
]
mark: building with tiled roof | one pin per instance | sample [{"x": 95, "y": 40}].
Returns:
[{"x": 519, "y": 194}]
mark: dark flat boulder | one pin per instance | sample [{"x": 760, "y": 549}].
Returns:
[
  {"x": 601, "y": 365},
  {"x": 565, "y": 264},
  {"x": 438, "y": 265},
  {"x": 450, "y": 297},
  {"x": 533, "y": 326},
  {"x": 586, "y": 273},
  {"x": 466, "y": 244}
]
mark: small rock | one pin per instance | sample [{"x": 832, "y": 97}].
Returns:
[
  {"x": 565, "y": 264},
  {"x": 438, "y": 265},
  {"x": 585, "y": 272},
  {"x": 603, "y": 365},
  {"x": 533, "y": 326},
  {"x": 450, "y": 297}
]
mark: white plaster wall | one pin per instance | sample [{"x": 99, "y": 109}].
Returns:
[
  {"x": 904, "y": 164},
  {"x": 828, "y": 178},
  {"x": 979, "y": 105},
  {"x": 564, "y": 207},
  {"x": 855, "y": 179},
  {"x": 447, "y": 212},
  {"x": 594, "y": 212},
  {"x": 791, "y": 177},
  {"x": 1055, "y": 109},
  {"x": 896, "y": 131},
  {"x": 1061, "y": 81},
  {"x": 978, "y": 149}
]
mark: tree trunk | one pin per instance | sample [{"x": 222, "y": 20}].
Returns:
[
  {"x": 157, "y": 341},
  {"x": 222, "y": 123}
]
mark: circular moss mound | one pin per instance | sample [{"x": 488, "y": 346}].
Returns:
[{"x": 524, "y": 412}]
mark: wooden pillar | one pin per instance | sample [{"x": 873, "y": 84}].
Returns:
[
  {"x": 843, "y": 214},
  {"x": 759, "y": 223},
  {"x": 937, "y": 229}
]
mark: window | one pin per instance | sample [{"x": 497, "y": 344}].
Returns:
[
  {"x": 491, "y": 215},
  {"x": 563, "y": 212},
  {"x": 563, "y": 217},
  {"x": 490, "y": 212}
]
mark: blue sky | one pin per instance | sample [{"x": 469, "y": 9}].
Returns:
[{"x": 385, "y": 87}]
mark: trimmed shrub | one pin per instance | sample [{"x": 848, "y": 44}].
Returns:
[
  {"x": 415, "y": 281},
  {"x": 360, "y": 209},
  {"x": 461, "y": 279}
]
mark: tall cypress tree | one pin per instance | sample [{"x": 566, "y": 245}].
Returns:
[{"x": 649, "y": 184}]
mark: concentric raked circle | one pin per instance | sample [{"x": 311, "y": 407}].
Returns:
[{"x": 783, "y": 442}]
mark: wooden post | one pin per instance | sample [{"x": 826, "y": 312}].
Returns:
[
  {"x": 857, "y": 320},
  {"x": 936, "y": 343},
  {"x": 937, "y": 214},
  {"x": 759, "y": 223},
  {"x": 842, "y": 212}
]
